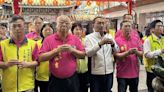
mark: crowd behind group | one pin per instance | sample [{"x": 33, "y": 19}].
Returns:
[{"x": 67, "y": 60}]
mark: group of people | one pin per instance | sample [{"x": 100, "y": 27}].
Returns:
[{"x": 67, "y": 61}]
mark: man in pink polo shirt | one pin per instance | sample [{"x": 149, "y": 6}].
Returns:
[
  {"x": 128, "y": 17},
  {"x": 126, "y": 59},
  {"x": 62, "y": 49},
  {"x": 38, "y": 23}
]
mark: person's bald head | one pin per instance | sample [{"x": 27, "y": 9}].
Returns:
[
  {"x": 63, "y": 23},
  {"x": 63, "y": 17}
]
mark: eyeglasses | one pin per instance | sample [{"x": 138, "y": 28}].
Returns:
[{"x": 63, "y": 22}]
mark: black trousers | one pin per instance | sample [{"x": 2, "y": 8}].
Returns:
[
  {"x": 124, "y": 82},
  {"x": 43, "y": 86},
  {"x": 0, "y": 88},
  {"x": 149, "y": 79},
  {"x": 84, "y": 81},
  {"x": 101, "y": 83},
  {"x": 64, "y": 85}
]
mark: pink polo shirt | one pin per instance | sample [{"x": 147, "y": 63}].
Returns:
[
  {"x": 66, "y": 66},
  {"x": 133, "y": 32},
  {"x": 32, "y": 35},
  {"x": 129, "y": 66}
]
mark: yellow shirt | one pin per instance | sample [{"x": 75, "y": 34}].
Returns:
[
  {"x": 112, "y": 32},
  {"x": 155, "y": 45},
  {"x": 14, "y": 77},
  {"x": 42, "y": 70},
  {"x": 82, "y": 64}
]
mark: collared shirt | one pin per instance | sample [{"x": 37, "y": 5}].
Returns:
[
  {"x": 102, "y": 58},
  {"x": 129, "y": 66},
  {"x": 147, "y": 48},
  {"x": 18, "y": 43},
  {"x": 3, "y": 38},
  {"x": 65, "y": 66},
  {"x": 133, "y": 32},
  {"x": 32, "y": 35},
  {"x": 34, "y": 53},
  {"x": 25, "y": 52}
]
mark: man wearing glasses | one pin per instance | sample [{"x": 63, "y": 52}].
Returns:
[
  {"x": 62, "y": 50},
  {"x": 153, "y": 46}
]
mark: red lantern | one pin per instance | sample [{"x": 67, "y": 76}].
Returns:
[
  {"x": 42, "y": 2},
  {"x": 130, "y": 7},
  {"x": 88, "y": 2},
  {"x": 55, "y": 2},
  {"x": 2, "y": 1},
  {"x": 30, "y": 2},
  {"x": 78, "y": 3},
  {"x": 67, "y": 3},
  {"x": 98, "y": 3}
]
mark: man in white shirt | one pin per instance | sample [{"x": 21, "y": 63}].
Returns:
[{"x": 100, "y": 47}]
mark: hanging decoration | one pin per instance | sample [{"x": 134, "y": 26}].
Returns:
[
  {"x": 55, "y": 3},
  {"x": 42, "y": 2},
  {"x": 120, "y": 0},
  {"x": 67, "y": 3},
  {"x": 16, "y": 7},
  {"x": 88, "y": 2},
  {"x": 78, "y": 2},
  {"x": 30, "y": 2},
  {"x": 98, "y": 2},
  {"x": 130, "y": 7},
  {"x": 2, "y": 1}
]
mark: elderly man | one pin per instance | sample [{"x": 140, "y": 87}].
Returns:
[
  {"x": 100, "y": 47},
  {"x": 18, "y": 59},
  {"x": 62, "y": 49}
]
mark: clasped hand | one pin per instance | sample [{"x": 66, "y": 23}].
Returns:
[
  {"x": 106, "y": 41},
  {"x": 20, "y": 64},
  {"x": 65, "y": 47},
  {"x": 132, "y": 51}
]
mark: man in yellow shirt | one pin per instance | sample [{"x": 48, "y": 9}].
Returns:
[
  {"x": 153, "y": 46},
  {"x": 18, "y": 59}
]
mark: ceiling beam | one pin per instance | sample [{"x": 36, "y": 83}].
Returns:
[{"x": 137, "y": 4}]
